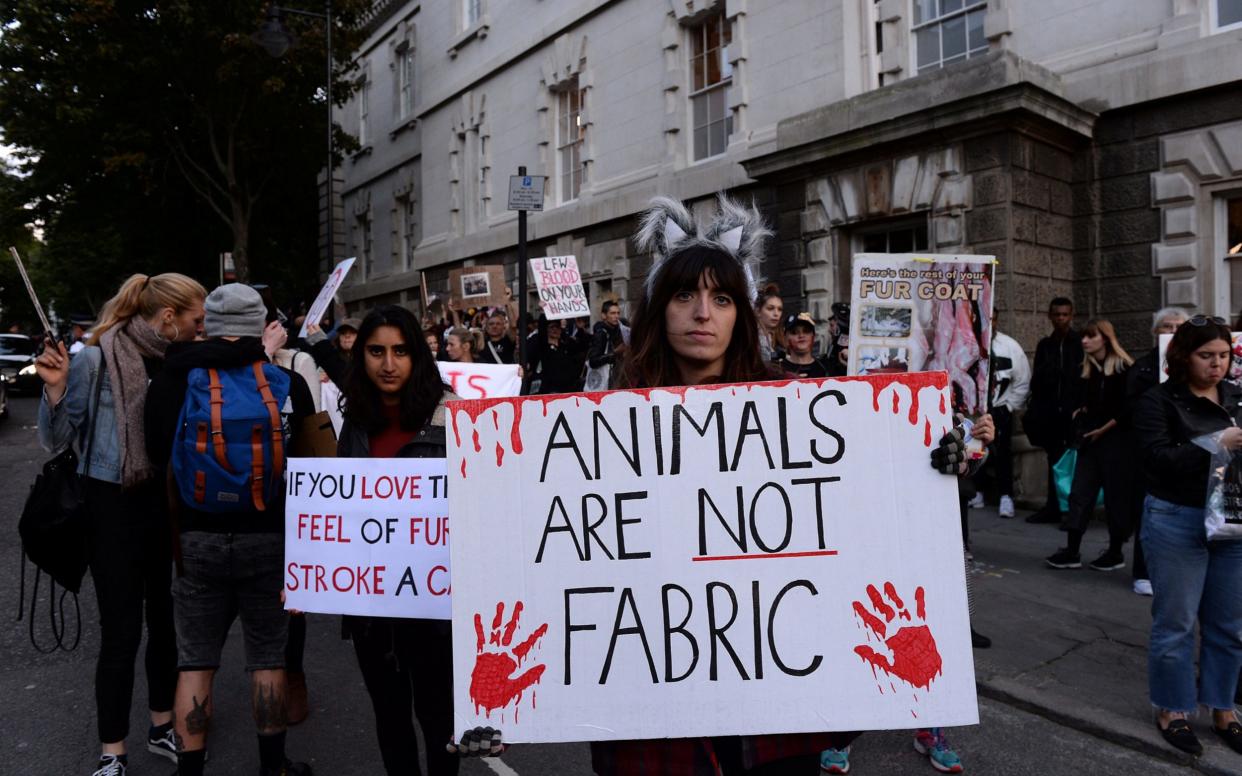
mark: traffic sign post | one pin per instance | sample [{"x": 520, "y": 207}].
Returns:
[{"x": 525, "y": 193}]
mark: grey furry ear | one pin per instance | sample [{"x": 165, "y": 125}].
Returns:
[
  {"x": 665, "y": 224},
  {"x": 748, "y": 250}
]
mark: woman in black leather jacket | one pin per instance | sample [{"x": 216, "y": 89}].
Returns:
[
  {"x": 1192, "y": 578},
  {"x": 394, "y": 408}
]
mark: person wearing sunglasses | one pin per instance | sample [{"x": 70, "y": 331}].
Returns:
[{"x": 1194, "y": 580}]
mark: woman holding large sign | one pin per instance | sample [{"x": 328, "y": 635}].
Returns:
[
  {"x": 696, "y": 325},
  {"x": 394, "y": 408}
]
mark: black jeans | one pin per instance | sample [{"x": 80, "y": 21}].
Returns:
[
  {"x": 408, "y": 663},
  {"x": 1002, "y": 450},
  {"x": 1103, "y": 464},
  {"x": 131, "y": 565}
]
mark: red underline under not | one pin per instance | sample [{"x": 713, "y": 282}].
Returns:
[{"x": 813, "y": 554}]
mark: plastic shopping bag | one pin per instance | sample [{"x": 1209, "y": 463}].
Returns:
[
  {"x": 1063, "y": 476},
  {"x": 1222, "y": 515}
]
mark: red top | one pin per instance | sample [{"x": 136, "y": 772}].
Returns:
[{"x": 388, "y": 442}]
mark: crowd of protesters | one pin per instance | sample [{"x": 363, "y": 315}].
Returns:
[{"x": 120, "y": 392}]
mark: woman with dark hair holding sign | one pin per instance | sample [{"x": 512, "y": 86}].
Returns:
[
  {"x": 696, "y": 325},
  {"x": 394, "y": 408}
]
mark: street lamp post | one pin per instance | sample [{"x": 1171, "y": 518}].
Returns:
[{"x": 276, "y": 40}]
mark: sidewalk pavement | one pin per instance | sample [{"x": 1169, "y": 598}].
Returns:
[{"x": 1070, "y": 646}]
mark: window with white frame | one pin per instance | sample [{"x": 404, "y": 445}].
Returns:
[
  {"x": 1232, "y": 207},
  {"x": 471, "y": 12},
  {"x": 710, "y": 79},
  {"x": 948, "y": 31},
  {"x": 569, "y": 137},
  {"x": 364, "y": 112},
  {"x": 405, "y": 81},
  {"x": 363, "y": 244},
  {"x": 1226, "y": 14}
]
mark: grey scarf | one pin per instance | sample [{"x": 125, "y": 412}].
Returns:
[{"x": 124, "y": 347}]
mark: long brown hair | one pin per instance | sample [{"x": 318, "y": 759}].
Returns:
[
  {"x": 1116, "y": 359},
  {"x": 651, "y": 361},
  {"x": 145, "y": 295},
  {"x": 778, "y": 334}
]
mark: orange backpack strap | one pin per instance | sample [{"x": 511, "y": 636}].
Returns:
[
  {"x": 273, "y": 411},
  {"x": 256, "y": 468},
  {"x": 217, "y": 422}
]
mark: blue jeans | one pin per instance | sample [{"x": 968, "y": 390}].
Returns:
[{"x": 1191, "y": 578}]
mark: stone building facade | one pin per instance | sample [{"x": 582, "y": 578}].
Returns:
[{"x": 1094, "y": 148}]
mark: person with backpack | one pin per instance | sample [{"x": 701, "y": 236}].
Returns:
[
  {"x": 96, "y": 402},
  {"x": 220, "y": 414},
  {"x": 608, "y": 348}
]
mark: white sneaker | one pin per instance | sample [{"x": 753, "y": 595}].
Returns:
[
  {"x": 1006, "y": 506},
  {"x": 976, "y": 502},
  {"x": 1142, "y": 587}
]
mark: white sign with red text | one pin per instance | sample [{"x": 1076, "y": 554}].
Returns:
[
  {"x": 561, "y": 294},
  {"x": 367, "y": 536},
  {"x": 481, "y": 381},
  {"x": 718, "y": 560}
]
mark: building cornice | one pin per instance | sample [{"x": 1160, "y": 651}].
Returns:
[{"x": 967, "y": 99}]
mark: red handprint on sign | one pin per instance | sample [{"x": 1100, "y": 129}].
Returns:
[
  {"x": 914, "y": 656},
  {"x": 492, "y": 683}
]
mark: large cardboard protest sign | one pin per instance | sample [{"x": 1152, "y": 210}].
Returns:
[
  {"x": 480, "y": 381},
  {"x": 924, "y": 313},
  {"x": 367, "y": 536},
  {"x": 736, "y": 559},
  {"x": 319, "y": 307},
  {"x": 561, "y": 294},
  {"x": 482, "y": 286}
]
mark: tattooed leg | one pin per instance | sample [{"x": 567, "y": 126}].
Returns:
[
  {"x": 268, "y": 691},
  {"x": 192, "y": 709}
]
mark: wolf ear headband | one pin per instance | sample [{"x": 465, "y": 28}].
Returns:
[{"x": 668, "y": 228}]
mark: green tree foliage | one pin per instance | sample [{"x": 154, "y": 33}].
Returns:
[{"x": 160, "y": 134}]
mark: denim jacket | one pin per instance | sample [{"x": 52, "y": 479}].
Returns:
[{"x": 69, "y": 422}]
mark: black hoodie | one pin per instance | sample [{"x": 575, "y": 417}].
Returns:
[{"x": 166, "y": 395}]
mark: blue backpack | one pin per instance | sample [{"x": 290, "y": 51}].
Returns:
[{"x": 229, "y": 453}]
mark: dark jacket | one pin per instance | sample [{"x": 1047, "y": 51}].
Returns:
[
  {"x": 604, "y": 342},
  {"x": 506, "y": 348},
  {"x": 330, "y": 358},
  {"x": 166, "y": 395},
  {"x": 1056, "y": 390},
  {"x": 1166, "y": 419},
  {"x": 1141, "y": 377},
  {"x": 430, "y": 442},
  {"x": 1104, "y": 399}
]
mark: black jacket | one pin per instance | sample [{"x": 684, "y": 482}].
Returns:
[
  {"x": 330, "y": 359},
  {"x": 1056, "y": 390},
  {"x": 604, "y": 342},
  {"x": 506, "y": 347},
  {"x": 166, "y": 395},
  {"x": 430, "y": 442},
  {"x": 1104, "y": 399},
  {"x": 1166, "y": 419}
]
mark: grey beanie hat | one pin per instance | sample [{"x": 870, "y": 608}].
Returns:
[{"x": 234, "y": 310}]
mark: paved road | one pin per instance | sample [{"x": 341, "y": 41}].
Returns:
[{"x": 47, "y": 723}]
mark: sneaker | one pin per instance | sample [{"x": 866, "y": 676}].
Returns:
[
  {"x": 1142, "y": 587},
  {"x": 1064, "y": 559},
  {"x": 933, "y": 744},
  {"x": 978, "y": 640},
  {"x": 290, "y": 768},
  {"x": 162, "y": 741},
  {"x": 1006, "y": 506},
  {"x": 835, "y": 760},
  {"x": 1108, "y": 562},
  {"x": 976, "y": 502},
  {"x": 110, "y": 765}
]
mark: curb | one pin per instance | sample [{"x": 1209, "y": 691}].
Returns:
[{"x": 1109, "y": 726}]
